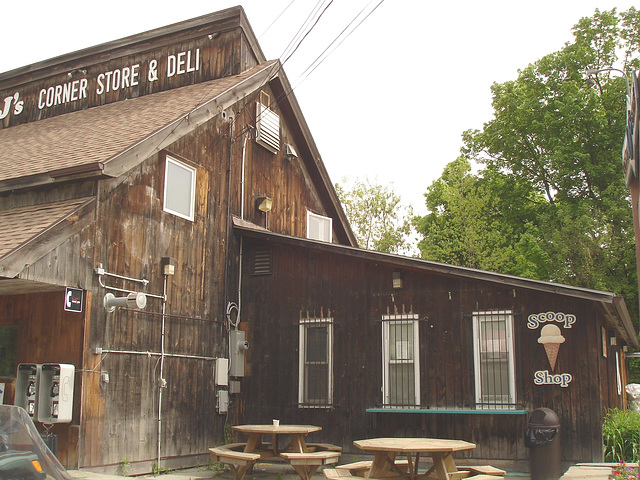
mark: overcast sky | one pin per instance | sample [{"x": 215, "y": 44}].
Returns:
[{"x": 389, "y": 103}]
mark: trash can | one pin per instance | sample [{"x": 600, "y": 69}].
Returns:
[{"x": 542, "y": 437}]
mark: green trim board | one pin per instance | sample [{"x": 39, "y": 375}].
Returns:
[{"x": 450, "y": 411}]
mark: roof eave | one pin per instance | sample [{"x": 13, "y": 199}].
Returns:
[{"x": 90, "y": 170}]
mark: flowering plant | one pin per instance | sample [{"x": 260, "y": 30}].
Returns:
[{"x": 626, "y": 472}]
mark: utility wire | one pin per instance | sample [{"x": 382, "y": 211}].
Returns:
[
  {"x": 308, "y": 32},
  {"x": 302, "y": 28},
  {"x": 276, "y": 19},
  {"x": 316, "y": 63}
]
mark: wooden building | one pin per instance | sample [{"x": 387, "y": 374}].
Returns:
[
  {"x": 162, "y": 201},
  {"x": 418, "y": 348}
]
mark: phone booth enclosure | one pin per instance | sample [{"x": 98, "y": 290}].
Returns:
[
  {"x": 27, "y": 387},
  {"x": 55, "y": 398}
]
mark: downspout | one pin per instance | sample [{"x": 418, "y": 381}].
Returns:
[
  {"x": 244, "y": 153},
  {"x": 163, "y": 382}
]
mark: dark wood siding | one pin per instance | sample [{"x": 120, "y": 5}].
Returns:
[{"x": 355, "y": 293}]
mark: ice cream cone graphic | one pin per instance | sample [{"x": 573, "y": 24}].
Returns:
[{"x": 551, "y": 337}]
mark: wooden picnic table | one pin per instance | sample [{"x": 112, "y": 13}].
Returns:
[
  {"x": 385, "y": 451},
  {"x": 305, "y": 459},
  {"x": 255, "y": 433}
]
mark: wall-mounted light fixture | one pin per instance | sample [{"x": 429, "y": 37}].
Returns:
[
  {"x": 289, "y": 152},
  {"x": 397, "y": 280},
  {"x": 612, "y": 339},
  {"x": 133, "y": 300},
  {"x": 168, "y": 266},
  {"x": 264, "y": 204}
]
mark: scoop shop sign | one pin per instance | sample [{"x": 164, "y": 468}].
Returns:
[{"x": 551, "y": 339}]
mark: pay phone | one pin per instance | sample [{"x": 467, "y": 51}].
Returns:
[
  {"x": 55, "y": 397},
  {"x": 27, "y": 383}
]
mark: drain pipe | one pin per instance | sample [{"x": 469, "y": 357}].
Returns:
[
  {"x": 163, "y": 382},
  {"x": 241, "y": 254}
]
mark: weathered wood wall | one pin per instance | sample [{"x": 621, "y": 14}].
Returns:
[{"x": 356, "y": 292}]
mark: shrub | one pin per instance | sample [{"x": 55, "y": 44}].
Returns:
[{"x": 621, "y": 435}]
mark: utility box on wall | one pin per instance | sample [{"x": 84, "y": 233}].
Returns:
[
  {"x": 222, "y": 401},
  {"x": 238, "y": 345},
  {"x": 55, "y": 397},
  {"x": 27, "y": 379}
]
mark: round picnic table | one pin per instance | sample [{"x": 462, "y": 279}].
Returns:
[
  {"x": 386, "y": 449},
  {"x": 296, "y": 432}
]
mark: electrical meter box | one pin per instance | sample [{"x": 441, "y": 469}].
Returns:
[
  {"x": 55, "y": 397},
  {"x": 237, "y": 348},
  {"x": 27, "y": 386}
]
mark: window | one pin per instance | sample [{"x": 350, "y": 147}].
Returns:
[
  {"x": 400, "y": 365},
  {"x": 316, "y": 363},
  {"x": 179, "y": 189},
  {"x": 493, "y": 358},
  {"x": 318, "y": 227}
]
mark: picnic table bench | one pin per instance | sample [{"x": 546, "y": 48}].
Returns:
[
  {"x": 307, "y": 463},
  {"x": 239, "y": 462}
]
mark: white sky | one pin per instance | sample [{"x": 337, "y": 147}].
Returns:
[{"x": 390, "y": 103}]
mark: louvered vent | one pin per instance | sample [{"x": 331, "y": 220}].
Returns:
[
  {"x": 267, "y": 128},
  {"x": 262, "y": 261}
]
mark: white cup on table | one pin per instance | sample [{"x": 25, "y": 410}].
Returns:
[{"x": 276, "y": 423}]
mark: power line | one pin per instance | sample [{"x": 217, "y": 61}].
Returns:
[
  {"x": 308, "y": 32},
  {"x": 317, "y": 62}
]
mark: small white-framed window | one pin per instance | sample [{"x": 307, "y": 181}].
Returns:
[
  {"x": 315, "y": 385},
  {"x": 319, "y": 227},
  {"x": 179, "y": 188},
  {"x": 494, "y": 362},
  {"x": 400, "y": 361}
]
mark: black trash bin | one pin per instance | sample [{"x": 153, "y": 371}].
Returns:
[{"x": 542, "y": 437}]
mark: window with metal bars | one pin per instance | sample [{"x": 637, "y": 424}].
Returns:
[
  {"x": 316, "y": 363},
  {"x": 494, "y": 360},
  {"x": 400, "y": 361}
]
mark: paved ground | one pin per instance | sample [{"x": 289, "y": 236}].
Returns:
[
  {"x": 282, "y": 471},
  {"x": 265, "y": 471}
]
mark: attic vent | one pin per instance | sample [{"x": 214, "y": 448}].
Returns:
[
  {"x": 265, "y": 98},
  {"x": 267, "y": 125},
  {"x": 262, "y": 261}
]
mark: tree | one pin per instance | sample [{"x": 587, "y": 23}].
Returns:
[
  {"x": 481, "y": 222},
  {"x": 549, "y": 197},
  {"x": 379, "y": 220}
]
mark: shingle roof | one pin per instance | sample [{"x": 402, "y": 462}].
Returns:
[
  {"x": 24, "y": 223},
  {"x": 96, "y": 135}
]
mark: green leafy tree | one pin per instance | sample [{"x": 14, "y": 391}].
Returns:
[
  {"x": 379, "y": 220},
  {"x": 548, "y": 200}
]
